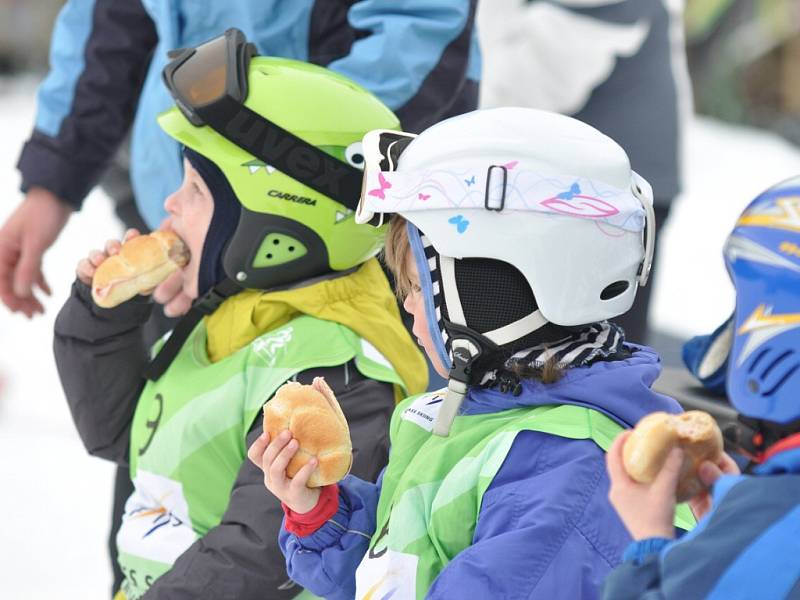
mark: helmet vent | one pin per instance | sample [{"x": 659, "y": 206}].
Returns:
[
  {"x": 757, "y": 383},
  {"x": 782, "y": 380},
  {"x": 277, "y": 249},
  {"x": 775, "y": 363},
  {"x": 614, "y": 290},
  {"x": 757, "y": 360}
]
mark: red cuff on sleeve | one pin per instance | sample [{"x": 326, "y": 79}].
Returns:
[{"x": 304, "y": 524}]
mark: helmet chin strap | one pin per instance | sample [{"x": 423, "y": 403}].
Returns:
[
  {"x": 201, "y": 307},
  {"x": 468, "y": 345}
]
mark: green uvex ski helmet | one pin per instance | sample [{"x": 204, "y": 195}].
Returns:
[{"x": 288, "y": 231}]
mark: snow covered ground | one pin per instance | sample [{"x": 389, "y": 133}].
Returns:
[{"x": 56, "y": 499}]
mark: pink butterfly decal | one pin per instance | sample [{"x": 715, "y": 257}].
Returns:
[
  {"x": 587, "y": 206},
  {"x": 511, "y": 165},
  {"x": 423, "y": 197},
  {"x": 590, "y": 208},
  {"x": 380, "y": 192}
]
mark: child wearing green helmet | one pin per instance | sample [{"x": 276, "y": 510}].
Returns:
[{"x": 281, "y": 285}]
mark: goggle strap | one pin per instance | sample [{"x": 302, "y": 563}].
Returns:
[{"x": 285, "y": 151}]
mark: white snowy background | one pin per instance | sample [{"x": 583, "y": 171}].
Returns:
[{"x": 55, "y": 499}]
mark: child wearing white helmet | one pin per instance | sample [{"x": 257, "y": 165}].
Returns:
[{"x": 517, "y": 235}]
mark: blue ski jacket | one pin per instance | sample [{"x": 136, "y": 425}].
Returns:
[
  {"x": 748, "y": 546},
  {"x": 420, "y": 57},
  {"x": 545, "y": 528}
]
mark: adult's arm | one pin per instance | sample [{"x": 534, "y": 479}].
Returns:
[
  {"x": 414, "y": 55},
  {"x": 100, "y": 355},
  {"x": 99, "y": 53}
]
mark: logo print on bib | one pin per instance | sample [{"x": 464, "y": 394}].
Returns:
[
  {"x": 268, "y": 347},
  {"x": 424, "y": 410}
]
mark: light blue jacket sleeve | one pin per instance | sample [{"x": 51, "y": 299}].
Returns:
[
  {"x": 325, "y": 562},
  {"x": 417, "y": 58},
  {"x": 85, "y": 105}
]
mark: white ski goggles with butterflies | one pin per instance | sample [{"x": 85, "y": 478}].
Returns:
[{"x": 509, "y": 185}]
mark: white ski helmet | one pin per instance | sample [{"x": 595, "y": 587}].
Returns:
[{"x": 547, "y": 194}]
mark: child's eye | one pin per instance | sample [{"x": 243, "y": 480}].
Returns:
[{"x": 415, "y": 288}]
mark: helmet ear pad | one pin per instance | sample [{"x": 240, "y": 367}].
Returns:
[
  {"x": 493, "y": 294},
  {"x": 268, "y": 251}
]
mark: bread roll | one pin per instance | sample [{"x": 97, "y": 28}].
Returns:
[
  {"x": 316, "y": 421},
  {"x": 142, "y": 263},
  {"x": 655, "y": 435}
]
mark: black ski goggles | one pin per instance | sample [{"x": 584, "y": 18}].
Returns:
[
  {"x": 199, "y": 78},
  {"x": 209, "y": 85}
]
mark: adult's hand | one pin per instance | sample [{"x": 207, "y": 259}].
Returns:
[{"x": 24, "y": 237}]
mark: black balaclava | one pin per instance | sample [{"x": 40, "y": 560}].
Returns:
[{"x": 227, "y": 210}]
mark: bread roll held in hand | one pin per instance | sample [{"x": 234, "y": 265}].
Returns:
[
  {"x": 141, "y": 264},
  {"x": 655, "y": 435},
  {"x": 316, "y": 421}
]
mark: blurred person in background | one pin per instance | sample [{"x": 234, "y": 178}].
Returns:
[
  {"x": 106, "y": 58},
  {"x": 616, "y": 65},
  {"x": 742, "y": 56}
]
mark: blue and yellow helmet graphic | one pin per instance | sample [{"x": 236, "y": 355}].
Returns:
[{"x": 763, "y": 259}]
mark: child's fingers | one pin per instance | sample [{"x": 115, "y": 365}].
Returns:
[
  {"x": 168, "y": 289},
  {"x": 666, "y": 482},
  {"x": 112, "y": 247},
  {"x": 700, "y": 504},
  {"x": 257, "y": 449},
  {"x": 178, "y": 306},
  {"x": 708, "y": 473},
  {"x": 614, "y": 462},
  {"x": 131, "y": 233},
  {"x": 727, "y": 465},
  {"x": 85, "y": 271},
  {"x": 277, "y": 470},
  {"x": 96, "y": 257},
  {"x": 273, "y": 449},
  {"x": 300, "y": 480}
]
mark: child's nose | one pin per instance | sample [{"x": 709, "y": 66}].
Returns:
[
  {"x": 171, "y": 203},
  {"x": 408, "y": 304}
]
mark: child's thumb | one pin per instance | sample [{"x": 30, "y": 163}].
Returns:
[{"x": 667, "y": 479}]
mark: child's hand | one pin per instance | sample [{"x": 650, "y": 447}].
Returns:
[
  {"x": 709, "y": 472},
  {"x": 272, "y": 458},
  {"x": 87, "y": 266},
  {"x": 646, "y": 509},
  {"x": 170, "y": 293}
]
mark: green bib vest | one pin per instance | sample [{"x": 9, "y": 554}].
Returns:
[
  {"x": 189, "y": 430},
  {"x": 433, "y": 487}
]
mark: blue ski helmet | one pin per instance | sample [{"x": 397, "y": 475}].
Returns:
[{"x": 762, "y": 255}]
